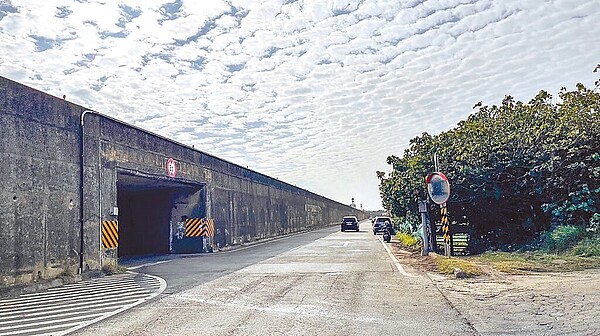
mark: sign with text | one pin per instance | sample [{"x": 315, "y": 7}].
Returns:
[{"x": 171, "y": 167}]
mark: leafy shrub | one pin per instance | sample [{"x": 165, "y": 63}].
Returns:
[
  {"x": 562, "y": 238},
  {"x": 408, "y": 240},
  {"x": 594, "y": 224},
  {"x": 404, "y": 225},
  {"x": 516, "y": 169},
  {"x": 587, "y": 247}
]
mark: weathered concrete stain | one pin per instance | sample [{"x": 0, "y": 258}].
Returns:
[{"x": 39, "y": 198}]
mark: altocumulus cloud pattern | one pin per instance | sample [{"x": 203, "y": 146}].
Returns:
[{"x": 316, "y": 93}]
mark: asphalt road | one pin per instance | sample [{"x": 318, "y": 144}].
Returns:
[{"x": 319, "y": 283}]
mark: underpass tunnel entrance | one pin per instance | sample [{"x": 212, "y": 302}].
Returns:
[{"x": 148, "y": 207}]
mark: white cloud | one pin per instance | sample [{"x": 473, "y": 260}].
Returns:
[{"x": 316, "y": 93}]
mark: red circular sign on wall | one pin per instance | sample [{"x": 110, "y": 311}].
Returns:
[{"x": 171, "y": 167}]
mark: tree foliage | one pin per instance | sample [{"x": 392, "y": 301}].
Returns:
[{"x": 515, "y": 169}]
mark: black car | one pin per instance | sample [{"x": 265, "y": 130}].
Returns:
[
  {"x": 350, "y": 222},
  {"x": 379, "y": 224}
]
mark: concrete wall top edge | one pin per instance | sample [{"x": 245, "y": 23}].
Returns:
[{"x": 47, "y": 103}]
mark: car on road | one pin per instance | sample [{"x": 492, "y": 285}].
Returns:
[
  {"x": 349, "y": 222},
  {"x": 379, "y": 223}
]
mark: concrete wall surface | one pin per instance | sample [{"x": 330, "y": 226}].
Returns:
[{"x": 150, "y": 185}]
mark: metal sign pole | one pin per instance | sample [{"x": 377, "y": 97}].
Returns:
[
  {"x": 438, "y": 189},
  {"x": 423, "y": 211}
]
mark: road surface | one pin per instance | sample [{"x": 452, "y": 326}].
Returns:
[{"x": 319, "y": 283}]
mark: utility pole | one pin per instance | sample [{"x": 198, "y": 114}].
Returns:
[
  {"x": 423, "y": 211},
  {"x": 438, "y": 189}
]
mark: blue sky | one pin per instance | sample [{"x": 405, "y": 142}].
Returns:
[{"x": 315, "y": 93}]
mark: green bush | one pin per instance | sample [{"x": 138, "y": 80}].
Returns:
[
  {"x": 516, "y": 169},
  {"x": 408, "y": 240},
  {"x": 562, "y": 238},
  {"x": 403, "y": 224},
  {"x": 587, "y": 247}
]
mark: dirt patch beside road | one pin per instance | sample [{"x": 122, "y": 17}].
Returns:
[
  {"x": 412, "y": 259},
  {"x": 502, "y": 304}
]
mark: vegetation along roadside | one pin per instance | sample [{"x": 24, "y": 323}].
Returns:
[{"x": 524, "y": 176}]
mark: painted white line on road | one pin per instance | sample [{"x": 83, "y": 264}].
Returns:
[
  {"x": 396, "y": 262},
  {"x": 25, "y": 323},
  {"x": 147, "y": 264},
  {"x": 296, "y": 248},
  {"x": 272, "y": 240},
  {"x": 43, "y": 329},
  {"x": 163, "y": 286},
  {"x": 345, "y": 244},
  {"x": 73, "y": 308},
  {"x": 68, "y": 301},
  {"x": 58, "y": 296}
]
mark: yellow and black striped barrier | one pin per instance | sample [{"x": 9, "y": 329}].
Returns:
[
  {"x": 446, "y": 230},
  {"x": 110, "y": 234},
  {"x": 199, "y": 227},
  {"x": 445, "y": 224}
]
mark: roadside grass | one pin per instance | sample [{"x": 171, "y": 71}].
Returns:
[
  {"x": 112, "y": 266},
  {"x": 447, "y": 265},
  {"x": 587, "y": 247},
  {"x": 584, "y": 255},
  {"x": 526, "y": 262}
]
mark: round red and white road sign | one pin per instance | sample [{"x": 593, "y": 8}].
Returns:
[
  {"x": 171, "y": 167},
  {"x": 438, "y": 187}
]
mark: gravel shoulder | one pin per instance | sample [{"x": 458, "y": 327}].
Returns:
[{"x": 534, "y": 304}]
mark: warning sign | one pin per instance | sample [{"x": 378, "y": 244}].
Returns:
[{"x": 171, "y": 167}]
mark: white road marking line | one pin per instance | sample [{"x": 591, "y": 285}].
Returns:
[
  {"x": 163, "y": 286},
  {"x": 345, "y": 244},
  {"x": 44, "y": 314},
  {"x": 28, "y": 331},
  {"x": 62, "y": 302},
  {"x": 62, "y": 296},
  {"x": 148, "y": 264},
  {"x": 52, "y": 322},
  {"x": 396, "y": 262},
  {"x": 43, "y": 318},
  {"x": 116, "y": 300}
]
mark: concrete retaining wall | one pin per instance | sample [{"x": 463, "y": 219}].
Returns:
[{"x": 39, "y": 198}]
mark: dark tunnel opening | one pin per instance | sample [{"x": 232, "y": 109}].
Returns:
[{"x": 146, "y": 213}]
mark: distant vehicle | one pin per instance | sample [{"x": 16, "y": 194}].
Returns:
[
  {"x": 350, "y": 222},
  {"x": 379, "y": 223}
]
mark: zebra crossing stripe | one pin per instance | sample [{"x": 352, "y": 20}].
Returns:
[
  {"x": 60, "y": 303},
  {"x": 67, "y": 293},
  {"x": 62, "y": 310},
  {"x": 49, "y": 330},
  {"x": 22, "y": 325}
]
